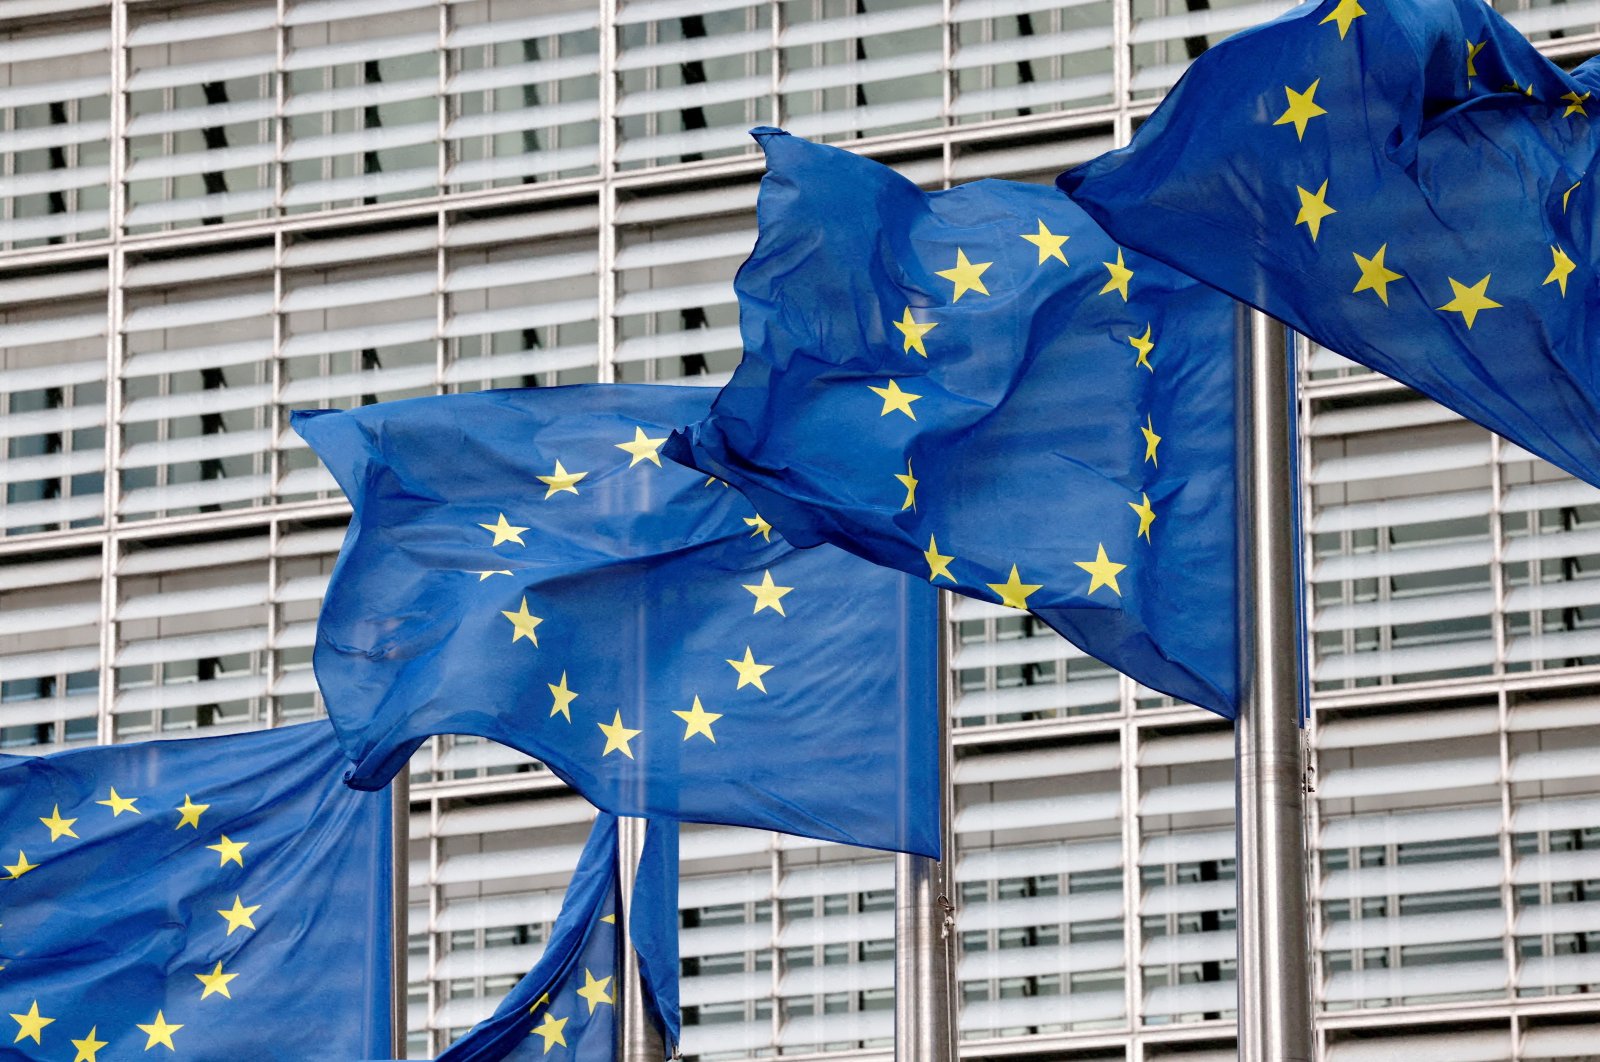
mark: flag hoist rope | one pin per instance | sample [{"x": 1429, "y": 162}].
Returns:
[
  {"x": 1274, "y": 973},
  {"x": 399, "y": 906},
  {"x": 924, "y": 913}
]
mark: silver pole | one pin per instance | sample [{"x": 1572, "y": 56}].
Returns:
[
  {"x": 924, "y": 916},
  {"x": 399, "y": 907},
  {"x": 640, "y": 1040},
  {"x": 1275, "y": 1023}
]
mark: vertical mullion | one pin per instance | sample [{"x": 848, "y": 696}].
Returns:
[
  {"x": 280, "y": 121},
  {"x": 1132, "y": 935},
  {"x": 1508, "y": 855},
  {"x": 1497, "y": 539},
  {"x": 606, "y": 241}
]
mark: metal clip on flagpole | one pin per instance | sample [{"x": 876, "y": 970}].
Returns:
[
  {"x": 924, "y": 915},
  {"x": 1275, "y": 1023},
  {"x": 639, "y": 1040},
  {"x": 399, "y": 906}
]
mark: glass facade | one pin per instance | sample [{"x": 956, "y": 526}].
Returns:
[{"x": 212, "y": 213}]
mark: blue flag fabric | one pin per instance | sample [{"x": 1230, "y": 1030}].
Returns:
[
  {"x": 977, "y": 386},
  {"x": 569, "y": 999},
  {"x": 196, "y": 896},
  {"x": 522, "y": 566},
  {"x": 1409, "y": 183}
]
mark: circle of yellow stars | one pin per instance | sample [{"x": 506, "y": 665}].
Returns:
[
  {"x": 968, "y": 278},
  {"x": 159, "y": 1032},
  {"x": 767, "y": 593},
  {"x": 1375, "y": 272}
]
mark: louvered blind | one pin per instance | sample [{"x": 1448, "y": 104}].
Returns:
[{"x": 55, "y": 103}]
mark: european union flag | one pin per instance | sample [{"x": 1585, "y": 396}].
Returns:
[
  {"x": 979, "y": 387},
  {"x": 1409, "y": 183},
  {"x": 569, "y": 999},
  {"x": 521, "y": 565},
  {"x": 200, "y": 896}
]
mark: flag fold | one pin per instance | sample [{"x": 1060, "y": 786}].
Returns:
[
  {"x": 978, "y": 387},
  {"x": 523, "y": 566},
  {"x": 569, "y": 999},
  {"x": 195, "y": 896},
  {"x": 1409, "y": 183}
]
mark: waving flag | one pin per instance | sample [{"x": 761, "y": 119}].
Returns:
[
  {"x": 521, "y": 565},
  {"x": 1410, "y": 183},
  {"x": 980, "y": 388},
  {"x": 569, "y": 999},
  {"x": 194, "y": 898}
]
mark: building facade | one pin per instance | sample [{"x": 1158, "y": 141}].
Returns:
[{"x": 212, "y": 213}]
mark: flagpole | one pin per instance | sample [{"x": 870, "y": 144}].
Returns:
[
  {"x": 399, "y": 906},
  {"x": 639, "y": 1040},
  {"x": 1274, "y": 972},
  {"x": 924, "y": 914}
]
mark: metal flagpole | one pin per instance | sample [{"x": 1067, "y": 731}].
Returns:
[
  {"x": 1274, "y": 972},
  {"x": 399, "y": 906},
  {"x": 639, "y": 1039},
  {"x": 924, "y": 915}
]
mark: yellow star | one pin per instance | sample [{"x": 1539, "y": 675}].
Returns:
[
  {"x": 31, "y": 1025},
  {"x": 1144, "y": 346},
  {"x": 524, "y": 623},
  {"x": 913, "y": 333},
  {"x": 89, "y": 1047},
  {"x": 504, "y": 532},
  {"x": 1567, "y": 194},
  {"x": 1302, "y": 108},
  {"x": 713, "y": 479},
  {"x": 909, "y": 482},
  {"x": 618, "y": 736},
  {"x": 595, "y": 990},
  {"x": 1514, "y": 87},
  {"x": 1151, "y": 441},
  {"x": 1120, "y": 275},
  {"x": 938, "y": 563},
  {"x": 965, "y": 275},
  {"x": 229, "y": 851},
  {"x": 1375, "y": 276},
  {"x": 1014, "y": 592},
  {"x": 1472, "y": 56},
  {"x": 484, "y": 575},
  {"x": 1049, "y": 244},
  {"x": 119, "y": 804},
  {"x": 544, "y": 997},
  {"x": 551, "y": 1031},
  {"x": 762, "y": 528},
  {"x": 239, "y": 915},
  {"x": 1147, "y": 515},
  {"x": 560, "y": 480},
  {"x": 189, "y": 814},
  {"x": 768, "y": 595},
  {"x": 1575, "y": 104},
  {"x": 642, "y": 448},
  {"x": 894, "y": 398},
  {"x": 216, "y": 981},
  {"x": 1468, "y": 301},
  {"x": 22, "y": 867},
  {"x": 698, "y": 721},
  {"x": 159, "y": 1032},
  {"x": 1313, "y": 209},
  {"x": 1561, "y": 268},
  {"x": 1102, "y": 572},
  {"x": 1347, "y": 12},
  {"x": 749, "y": 671},
  {"x": 563, "y": 698},
  {"x": 59, "y": 827},
  {"x": 609, "y": 919}
]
